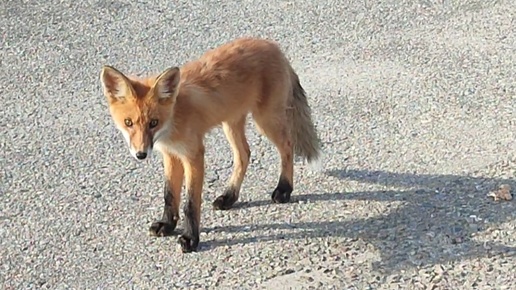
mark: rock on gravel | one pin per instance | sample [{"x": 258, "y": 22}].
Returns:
[{"x": 502, "y": 193}]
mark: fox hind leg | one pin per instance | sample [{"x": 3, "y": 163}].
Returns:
[
  {"x": 235, "y": 133},
  {"x": 277, "y": 131}
]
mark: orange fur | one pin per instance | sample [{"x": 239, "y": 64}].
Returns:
[{"x": 171, "y": 112}]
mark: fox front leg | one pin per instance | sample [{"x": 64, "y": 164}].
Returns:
[
  {"x": 194, "y": 176},
  {"x": 174, "y": 174}
]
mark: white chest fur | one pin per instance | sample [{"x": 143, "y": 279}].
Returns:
[{"x": 171, "y": 147}]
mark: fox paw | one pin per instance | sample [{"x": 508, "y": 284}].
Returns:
[
  {"x": 162, "y": 229},
  {"x": 280, "y": 197},
  {"x": 282, "y": 192},
  {"x": 223, "y": 202},
  {"x": 188, "y": 244}
]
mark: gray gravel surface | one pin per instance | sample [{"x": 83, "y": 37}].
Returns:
[{"x": 415, "y": 102}]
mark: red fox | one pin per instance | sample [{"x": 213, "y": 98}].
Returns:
[{"x": 172, "y": 112}]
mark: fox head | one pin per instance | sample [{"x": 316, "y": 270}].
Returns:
[{"x": 141, "y": 109}]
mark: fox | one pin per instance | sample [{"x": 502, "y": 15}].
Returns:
[{"x": 171, "y": 112}]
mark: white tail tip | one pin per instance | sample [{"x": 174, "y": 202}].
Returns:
[{"x": 317, "y": 165}]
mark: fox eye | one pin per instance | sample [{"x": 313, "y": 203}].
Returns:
[
  {"x": 128, "y": 122},
  {"x": 153, "y": 123}
]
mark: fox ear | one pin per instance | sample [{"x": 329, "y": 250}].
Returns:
[
  {"x": 167, "y": 84},
  {"x": 116, "y": 86}
]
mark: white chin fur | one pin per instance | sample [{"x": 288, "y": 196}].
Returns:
[
  {"x": 133, "y": 153},
  {"x": 148, "y": 151}
]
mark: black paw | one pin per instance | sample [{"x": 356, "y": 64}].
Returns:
[
  {"x": 225, "y": 201},
  {"x": 188, "y": 245},
  {"x": 282, "y": 192},
  {"x": 162, "y": 229},
  {"x": 280, "y": 196}
]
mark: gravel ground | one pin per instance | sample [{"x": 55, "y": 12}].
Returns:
[{"x": 415, "y": 102}]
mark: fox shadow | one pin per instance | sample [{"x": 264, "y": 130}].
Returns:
[{"x": 436, "y": 222}]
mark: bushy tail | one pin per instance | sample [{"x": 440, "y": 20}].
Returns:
[{"x": 304, "y": 134}]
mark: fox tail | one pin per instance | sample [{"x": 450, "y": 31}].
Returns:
[{"x": 304, "y": 134}]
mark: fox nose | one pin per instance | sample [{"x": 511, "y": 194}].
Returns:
[{"x": 141, "y": 155}]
